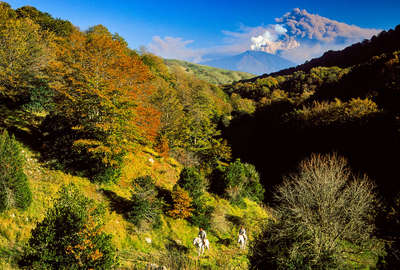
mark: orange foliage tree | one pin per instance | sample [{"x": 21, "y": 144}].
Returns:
[
  {"x": 103, "y": 90},
  {"x": 181, "y": 204}
]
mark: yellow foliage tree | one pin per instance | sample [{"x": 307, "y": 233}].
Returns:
[{"x": 24, "y": 54}]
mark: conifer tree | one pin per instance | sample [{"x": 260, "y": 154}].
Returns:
[
  {"x": 14, "y": 188},
  {"x": 70, "y": 236}
]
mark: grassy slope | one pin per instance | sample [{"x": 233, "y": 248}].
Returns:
[
  {"x": 209, "y": 74},
  {"x": 134, "y": 251}
]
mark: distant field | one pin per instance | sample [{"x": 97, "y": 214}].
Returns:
[{"x": 210, "y": 74}]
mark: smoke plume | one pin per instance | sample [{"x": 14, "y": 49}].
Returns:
[{"x": 299, "y": 35}]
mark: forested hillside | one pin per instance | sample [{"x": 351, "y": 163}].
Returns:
[
  {"x": 385, "y": 42},
  {"x": 112, "y": 159},
  {"x": 208, "y": 74}
]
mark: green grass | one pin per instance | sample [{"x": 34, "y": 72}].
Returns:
[
  {"x": 209, "y": 74},
  {"x": 166, "y": 241}
]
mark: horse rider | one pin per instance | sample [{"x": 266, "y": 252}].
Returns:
[
  {"x": 242, "y": 232},
  {"x": 203, "y": 236}
]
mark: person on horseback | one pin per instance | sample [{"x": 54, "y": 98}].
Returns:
[
  {"x": 203, "y": 236},
  {"x": 242, "y": 232}
]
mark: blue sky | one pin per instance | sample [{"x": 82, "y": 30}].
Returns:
[{"x": 201, "y": 25}]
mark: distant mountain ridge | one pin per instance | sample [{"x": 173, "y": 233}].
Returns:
[
  {"x": 256, "y": 62},
  {"x": 385, "y": 42},
  {"x": 209, "y": 74}
]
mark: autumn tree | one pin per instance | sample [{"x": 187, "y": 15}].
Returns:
[
  {"x": 181, "y": 203},
  {"x": 24, "y": 54},
  {"x": 103, "y": 93},
  {"x": 6, "y": 12}
]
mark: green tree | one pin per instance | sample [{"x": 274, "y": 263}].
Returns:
[
  {"x": 193, "y": 182},
  {"x": 242, "y": 180},
  {"x": 70, "y": 236},
  {"x": 41, "y": 99},
  {"x": 14, "y": 187},
  {"x": 145, "y": 207},
  {"x": 190, "y": 110},
  {"x": 201, "y": 216}
]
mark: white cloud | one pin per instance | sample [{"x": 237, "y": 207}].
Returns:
[{"x": 174, "y": 47}]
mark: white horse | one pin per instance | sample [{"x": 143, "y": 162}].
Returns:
[
  {"x": 197, "y": 242},
  {"x": 242, "y": 241}
]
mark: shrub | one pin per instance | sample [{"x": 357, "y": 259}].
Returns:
[
  {"x": 70, "y": 236},
  {"x": 242, "y": 180},
  {"x": 41, "y": 99},
  {"x": 14, "y": 188},
  {"x": 322, "y": 214},
  {"x": 358, "y": 108},
  {"x": 162, "y": 146},
  {"x": 145, "y": 207},
  {"x": 107, "y": 174}
]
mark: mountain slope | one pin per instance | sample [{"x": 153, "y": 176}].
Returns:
[
  {"x": 256, "y": 62},
  {"x": 385, "y": 42},
  {"x": 209, "y": 74}
]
